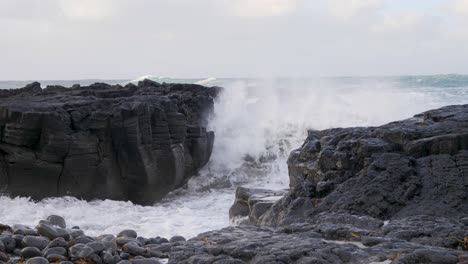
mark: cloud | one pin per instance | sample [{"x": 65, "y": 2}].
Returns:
[
  {"x": 87, "y": 9},
  {"x": 401, "y": 23},
  {"x": 259, "y": 8},
  {"x": 460, "y": 7},
  {"x": 346, "y": 9}
]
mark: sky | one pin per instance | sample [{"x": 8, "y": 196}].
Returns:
[{"x": 125, "y": 39}]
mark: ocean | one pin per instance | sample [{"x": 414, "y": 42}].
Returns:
[{"x": 257, "y": 123}]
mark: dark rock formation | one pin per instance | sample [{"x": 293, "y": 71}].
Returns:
[
  {"x": 306, "y": 243},
  {"x": 397, "y": 193},
  {"x": 136, "y": 143},
  {"x": 250, "y": 204},
  {"x": 417, "y": 166}
]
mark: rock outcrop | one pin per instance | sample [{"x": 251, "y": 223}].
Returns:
[
  {"x": 136, "y": 142},
  {"x": 417, "y": 166},
  {"x": 397, "y": 193}
]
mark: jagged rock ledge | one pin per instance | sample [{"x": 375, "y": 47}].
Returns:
[
  {"x": 132, "y": 142},
  {"x": 397, "y": 193}
]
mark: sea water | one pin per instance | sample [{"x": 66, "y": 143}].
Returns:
[{"x": 257, "y": 123}]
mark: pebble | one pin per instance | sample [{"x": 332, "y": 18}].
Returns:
[
  {"x": 120, "y": 241},
  {"x": 81, "y": 251},
  {"x": 58, "y": 242},
  {"x": 3, "y": 256},
  {"x": 52, "y": 232},
  {"x": 82, "y": 240},
  {"x": 76, "y": 233},
  {"x": 177, "y": 239},
  {"x": 145, "y": 261},
  {"x": 9, "y": 243},
  {"x": 95, "y": 259},
  {"x": 18, "y": 239},
  {"x": 30, "y": 252},
  {"x": 98, "y": 247},
  {"x": 108, "y": 258},
  {"x": 128, "y": 233},
  {"x": 57, "y": 221},
  {"x": 106, "y": 238},
  {"x": 37, "y": 260},
  {"x": 55, "y": 251},
  {"x": 35, "y": 241},
  {"x": 24, "y": 230}
]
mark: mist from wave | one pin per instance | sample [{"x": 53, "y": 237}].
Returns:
[{"x": 257, "y": 123}]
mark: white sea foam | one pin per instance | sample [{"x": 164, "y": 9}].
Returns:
[
  {"x": 257, "y": 124},
  {"x": 206, "y": 81}
]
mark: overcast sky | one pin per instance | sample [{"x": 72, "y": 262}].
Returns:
[{"x": 76, "y": 39}]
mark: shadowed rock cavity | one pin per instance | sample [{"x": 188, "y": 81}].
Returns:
[{"x": 136, "y": 142}]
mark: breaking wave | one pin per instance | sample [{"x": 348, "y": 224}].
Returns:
[{"x": 257, "y": 123}]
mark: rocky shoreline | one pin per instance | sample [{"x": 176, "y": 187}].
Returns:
[
  {"x": 52, "y": 242},
  {"x": 397, "y": 194}
]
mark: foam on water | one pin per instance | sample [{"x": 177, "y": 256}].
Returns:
[{"x": 257, "y": 123}]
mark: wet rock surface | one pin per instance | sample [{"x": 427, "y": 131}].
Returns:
[
  {"x": 133, "y": 142},
  {"x": 418, "y": 166},
  {"x": 390, "y": 194},
  {"x": 107, "y": 249},
  {"x": 397, "y": 193}
]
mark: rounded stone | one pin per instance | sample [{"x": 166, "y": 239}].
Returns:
[
  {"x": 24, "y": 230},
  {"x": 142, "y": 240},
  {"x": 120, "y": 241},
  {"x": 55, "y": 251},
  {"x": 128, "y": 233},
  {"x": 30, "y": 252},
  {"x": 134, "y": 249},
  {"x": 81, "y": 251},
  {"x": 4, "y": 257},
  {"x": 177, "y": 239},
  {"x": 18, "y": 239},
  {"x": 124, "y": 256},
  {"x": 145, "y": 261},
  {"x": 95, "y": 258},
  {"x": 58, "y": 242},
  {"x": 35, "y": 241},
  {"x": 106, "y": 238},
  {"x": 57, "y": 221},
  {"x": 9, "y": 243},
  {"x": 82, "y": 240},
  {"x": 108, "y": 258},
  {"x": 98, "y": 247},
  {"x": 37, "y": 260},
  {"x": 52, "y": 232}
]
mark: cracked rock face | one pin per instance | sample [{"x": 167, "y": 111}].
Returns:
[
  {"x": 136, "y": 143},
  {"x": 397, "y": 193},
  {"x": 417, "y": 166}
]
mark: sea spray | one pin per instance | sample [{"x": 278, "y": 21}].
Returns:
[{"x": 257, "y": 123}]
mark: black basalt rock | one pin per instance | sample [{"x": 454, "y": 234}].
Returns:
[
  {"x": 134, "y": 143},
  {"x": 416, "y": 166}
]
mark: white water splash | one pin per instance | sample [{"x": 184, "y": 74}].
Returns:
[{"x": 257, "y": 124}]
